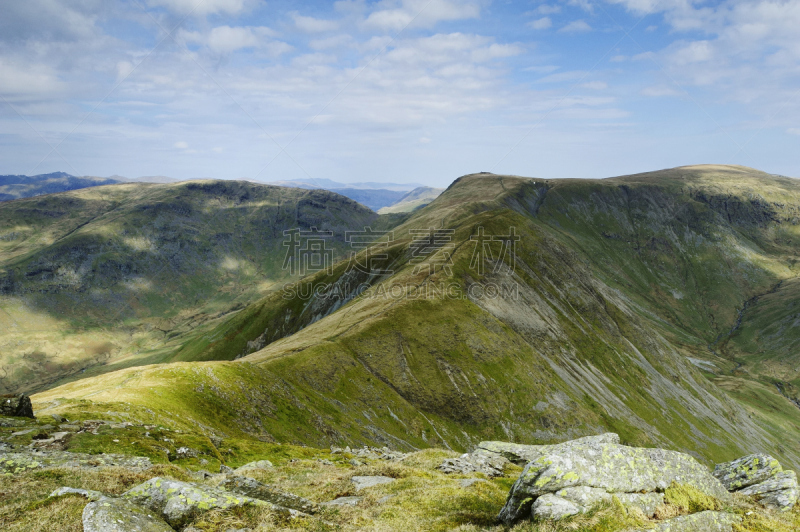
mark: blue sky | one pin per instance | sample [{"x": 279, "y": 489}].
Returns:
[{"x": 397, "y": 90}]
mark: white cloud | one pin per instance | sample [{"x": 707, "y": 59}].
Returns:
[
  {"x": 793, "y": 131},
  {"x": 335, "y": 41},
  {"x": 396, "y": 16},
  {"x": 225, "y": 39},
  {"x": 546, "y": 9},
  {"x": 181, "y": 145},
  {"x": 576, "y": 26},
  {"x": 595, "y": 85},
  {"x": 540, "y": 24},
  {"x": 313, "y": 25},
  {"x": 660, "y": 91},
  {"x": 204, "y": 7}
]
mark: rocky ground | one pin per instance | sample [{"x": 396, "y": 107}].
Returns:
[{"x": 592, "y": 483}]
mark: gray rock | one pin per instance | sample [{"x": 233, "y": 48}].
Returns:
[
  {"x": 18, "y": 462},
  {"x": 22, "y": 432},
  {"x": 586, "y": 498},
  {"x": 178, "y": 502},
  {"x": 225, "y": 470},
  {"x": 118, "y": 515},
  {"x": 186, "y": 452},
  {"x": 522, "y": 454},
  {"x": 490, "y": 464},
  {"x": 58, "y": 418},
  {"x": 17, "y": 405},
  {"x": 343, "y": 501},
  {"x": 699, "y": 522},
  {"x": 467, "y": 482},
  {"x": 257, "y": 490},
  {"x": 778, "y": 493},
  {"x": 612, "y": 467},
  {"x": 89, "y": 494},
  {"x": 12, "y": 422},
  {"x": 368, "y": 482},
  {"x": 550, "y": 506},
  {"x": 260, "y": 464},
  {"x": 746, "y": 471}
]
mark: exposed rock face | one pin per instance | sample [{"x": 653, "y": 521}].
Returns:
[
  {"x": 257, "y": 490},
  {"x": 91, "y": 495},
  {"x": 522, "y": 454},
  {"x": 178, "y": 502},
  {"x": 699, "y": 522},
  {"x": 636, "y": 476},
  {"x": 18, "y": 405},
  {"x": 18, "y": 462},
  {"x": 119, "y": 515},
  {"x": 490, "y": 464},
  {"x": 752, "y": 469},
  {"x": 762, "y": 477}
]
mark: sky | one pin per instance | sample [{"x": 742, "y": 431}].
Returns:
[{"x": 397, "y": 90}]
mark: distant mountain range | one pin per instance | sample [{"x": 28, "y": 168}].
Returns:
[{"x": 370, "y": 194}]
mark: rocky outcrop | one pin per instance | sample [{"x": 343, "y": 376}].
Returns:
[
  {"x": 489, "y": 464},
  {"x": 178, "y": 502},
  {"x": 361, "y": 483},
  {"x": 18, "y": 405},
  {"x": 118, "y": 515},
  {"x": 257, "y": 490},
  {"x": 258, "y": 464},
  {"x": 522, "y": 454},
  {"x": 762, "y": 477},
  {"x": 25, "y": 460},
  {"x": 574, "y": 476}
]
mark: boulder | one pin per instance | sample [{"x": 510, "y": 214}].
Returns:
[
  {"x": 91, "y": 495},
  {"x": 522, "y": 454},
  {"x": 178, "y": 502},
  {"x": 259, "y": 464},
  {"x": 17, "y": 405},
  {"x": 585, "y": 498},
  {"x": 615, "y": 469},
  {"x": 746, "y": 471},
  {"x": 119, "y": 515},
  {"x": 762, "y": 477},
  {"x": 343, "y": 501},
  {"x": 778, "y": 493},
  {"x": 368, "y": 482},
  {"x": 550, "y": 506},
  {"x": 257, "y": 490},
  {"x": 700, "y": 522}
]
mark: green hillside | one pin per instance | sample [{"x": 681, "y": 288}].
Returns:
[
  {"x": 117, "y": 275},
  {"x": 613, "y": 311}
]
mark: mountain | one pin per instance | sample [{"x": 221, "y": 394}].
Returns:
[
  {"x": 120, "y": 275},
  {"x": 331, "y": 185},
  {"x": 22, "y": 186},
  {"x": 417, "y": 198},
  {"x": 513, "y": 309}
]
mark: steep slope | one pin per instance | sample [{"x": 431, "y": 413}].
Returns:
[
  {"x": 416, "y": 199},
  {"x": 595, "y": 319},
  {"x": 122, "y": 274}
]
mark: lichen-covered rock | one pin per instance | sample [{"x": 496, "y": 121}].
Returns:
[
  {"x": 343, "y": 501},
  {"x": 368, "y": 482},
  {"x": 699, "y": 522},
  {"x": 747, "y": 471},
  {"x": 550, "y": 506},
  {"x": 118, "y": 515},
  {"x": 490, "y": 464},
  {"x": 178, "y": 502},
  {"x": 522, "y": 454},
  {"x": 21, "y": 461},
  {"x": 259, "y": 464},
  {"x": 778, "y": 493},
  {"x": 91, "y": 495},
  {"x": 18, "y": 405},
  {"x": 586, "y": 498},
  {"x": 615, "y": 468},
  {"x": 257, "y": 490}
]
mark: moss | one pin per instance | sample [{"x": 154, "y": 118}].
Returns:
[{"x": 688, "y": 499}]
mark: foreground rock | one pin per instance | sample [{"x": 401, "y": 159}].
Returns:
[
  {"x": 17, "y": 405},
  {"x": 368, "y": 482},
  {"x": 576, "y": 475},
  {"x": 257, "y": 490},
  {"x": 119, "y": 515},
  {"x": 522, "y": 454},
  {"x": 21, "y": 461},
  {"x": 178, "y": 502},
  {"x": 491, "y": 465},
  {"x": 699, "y": 522},
  {"x": 762, "y": 477}
]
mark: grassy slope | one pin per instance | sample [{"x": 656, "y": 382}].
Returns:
[
  {"x": 618, "y": 280},
  {"x": 112, "y": 276}
]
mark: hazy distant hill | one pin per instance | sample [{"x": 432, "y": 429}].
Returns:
[
  {"x": 417, "y": 198},
  {"x": 22, "y": 186},
  {"x": 659, "y": 306}
]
